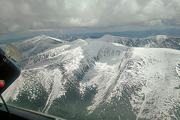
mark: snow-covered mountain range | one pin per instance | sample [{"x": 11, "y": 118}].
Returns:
[{"x": 110, "y": 78}]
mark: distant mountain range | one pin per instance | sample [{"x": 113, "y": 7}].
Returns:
[
  {"x": 70, "y": 36},
  {"x": 107, "y": 78}
]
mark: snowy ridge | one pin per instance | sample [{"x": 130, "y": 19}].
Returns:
[
  {"x": 158, "y": 41},
  {"x": 37, "y": 44},
  {"x": 103, "y": 80},
  {"x": 41, "y": 38}
]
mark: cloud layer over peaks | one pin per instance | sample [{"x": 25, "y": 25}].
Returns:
[{"x": 54, "y": 14}]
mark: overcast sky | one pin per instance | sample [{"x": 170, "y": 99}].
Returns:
[{"x": 16, "y": 15}]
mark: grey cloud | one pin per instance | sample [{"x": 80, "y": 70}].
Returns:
[{"x": 48, "y": 14}]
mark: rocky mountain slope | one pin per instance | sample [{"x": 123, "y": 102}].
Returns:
[{"x": 99, "y": 79}]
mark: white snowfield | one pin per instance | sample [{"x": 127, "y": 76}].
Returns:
[{"x": 149, "y": 76}]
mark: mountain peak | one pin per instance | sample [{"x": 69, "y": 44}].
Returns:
[{"x": 44, "y": 37}]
